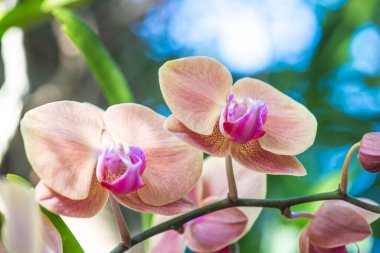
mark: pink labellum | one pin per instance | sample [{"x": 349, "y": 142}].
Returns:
[
  {"x": 120, "y": 170},
  {"x": 369, "y": 152},
  {"x": 242, "y": 119}
]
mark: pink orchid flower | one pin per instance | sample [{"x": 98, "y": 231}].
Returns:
[
  {"x": 336, "y": 224},
  {"x": 82, "y": 154},
  {"x": 256, "y": 124},
  {"x": 215, "y": 231},
  {"x": 369, "y": 152},
  {"x": 24, "y": 222}
]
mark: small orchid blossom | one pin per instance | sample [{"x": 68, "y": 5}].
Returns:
[
  {"x": 25, "y": 228},
  {"x": 369, "y": 152},
  {"x": 82, "y": 154},
  {"x": 336, "y": 224},
  {"x": 256, "y": 124},
  {"x": 214, "y": 232}
]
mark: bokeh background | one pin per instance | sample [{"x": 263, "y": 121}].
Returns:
[{"x": 324, "y": 54}]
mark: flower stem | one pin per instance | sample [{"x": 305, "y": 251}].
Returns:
[
  {"x": 121, "y": 224},
  {"x": 232, "y": 190},
  {"x": 347, "y": 160},
  {"x": 296, "y": 215},
  {"x": 280, "y": 204}
]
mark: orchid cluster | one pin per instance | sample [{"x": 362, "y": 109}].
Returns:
[{"x": 152, "y": 164}]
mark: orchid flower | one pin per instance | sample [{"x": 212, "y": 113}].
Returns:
[
  {"x": 336, "y": 224},
  {"x": 215, "y": 231},
  {"x": 256, "y": 124},
  {"x": 369, "y": 152},
  {"x": 82, "y": 154},
  {"x": 25, "y": 229}
]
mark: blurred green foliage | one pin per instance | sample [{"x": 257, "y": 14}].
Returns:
[
  {"x": 97, "y": 57},
  {"x": 29, "y": 13}
]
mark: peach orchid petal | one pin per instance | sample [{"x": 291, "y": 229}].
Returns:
[
  {"x": 335, "y": 225},
  {"x": 290, "y": 126},
  {"x": 52, "y": 238},
  {"x": 215, "y": 144},
  {"x": 195, "y": 195},
  {"x": 168, "y": 242},
  {"x": 61, "y": 142},
  {"x": 250, "y": 184},
  {"x": 133, "y": 201},
  {"x": 59, "y": 204},
  {"x": 252, "y": 156},
  {"x": 195, "y": 89},
  {"x": 215, "y": 231},
  {"x": 22, "y": 218},
  {"x": 172, "y": 166}
]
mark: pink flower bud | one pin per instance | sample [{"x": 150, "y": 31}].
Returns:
[
  {"x": 369, "y": 152},
  {"x": 242, "y": 119},
  {"x": 120, "y": 170},
  {"x": 316, "y": 249}
]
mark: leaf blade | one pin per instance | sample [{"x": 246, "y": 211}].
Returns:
[
  {"x": 69, "y": 242},
  {"x": 96, "y": 56}
]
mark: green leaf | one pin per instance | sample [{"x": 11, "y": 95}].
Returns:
[
  {"x": 29, "y": 13},
  {"x": 19, "y": 179},
  {"x": 70, "y": 243},
  {"x": 96, "y": 56}
]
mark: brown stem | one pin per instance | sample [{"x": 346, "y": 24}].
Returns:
[
  {"x": 347, "y": 160},
  {"x": 121, "y": 224},
  {"x": 232, "y": 190}
]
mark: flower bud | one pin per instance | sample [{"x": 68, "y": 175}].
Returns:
[
  {"x": 120, "y": 170},
  {"x": 369, "y": 152},
  {"x": 316, "y": 249},
  {"x": 242, "y": 119}
]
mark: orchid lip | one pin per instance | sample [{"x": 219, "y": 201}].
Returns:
[
  {"x": 242, "y": 119},
  {"x": 120, "y": 170}
]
